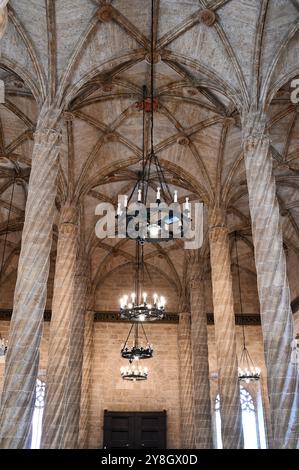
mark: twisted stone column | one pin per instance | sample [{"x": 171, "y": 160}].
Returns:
[
  {"x": 200, "y": 361},
  {"x": 186, "y": 382},
  {"x": 56, "y": 400},
  {"x": 272, "y": 282},
  {"x": 76, "y": 355},
  {"x": 3, "y": 26},
  {"x": 3, "y": 17},
  {"x": 231, "y": 418},
  {"x": 18, "y": 397},
  {"x": 86, "y": 379}
]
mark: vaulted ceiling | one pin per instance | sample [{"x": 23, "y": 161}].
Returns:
[{"x": 91, "y": 57}]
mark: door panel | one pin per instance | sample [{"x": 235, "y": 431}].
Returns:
[{"x": 134, "y": 430}]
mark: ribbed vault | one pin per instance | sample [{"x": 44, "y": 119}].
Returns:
[{"x": 90, "y": 57}]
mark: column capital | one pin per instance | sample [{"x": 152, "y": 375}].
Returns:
[
  {"x": 48, "y": 130},
  {"x": 47, "y": 136},
  {"x": 184, "y": 303},
  {"x": 69, "y": 214},
  {"x": 69, "y": 219},
  {"x": 217, "y": 217},
  {"x": 196, "y": 274},
  {"x": 254, "y": 129}
]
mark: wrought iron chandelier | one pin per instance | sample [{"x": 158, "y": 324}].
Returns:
[
  {"x": 144, "y": 311},
  {"x": 137, "y": 351},
  {"x": 295, "y": 351},
  {"x": 247, "y": 371},
  {"x": 134, "y": 372},
  {"x": 3, "y": 346},
  {"x": 138, "y": 309},
  {"x": 163, "y": 220},
  {"x": 4, "y": 341}
]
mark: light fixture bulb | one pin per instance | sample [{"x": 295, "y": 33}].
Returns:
[
  {"x": 187, "y": 205},
  {"x": 154, "y": 230},
  {"x": 158, "y": 194}
]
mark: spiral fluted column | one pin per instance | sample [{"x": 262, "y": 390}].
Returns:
[
  {"x": 56, "y": 400},
  {"x": 76, "y": 355},
  {"x": 272, "y": 282},
  {"x": 3, "y": 17},
  {"x": 86, "y": 379},
  {"x": 200, "y": 361},
  {"x": 224, "y": 318},
  {"x": 18, "y": 396},
  {"x": 186, "y": 381}
]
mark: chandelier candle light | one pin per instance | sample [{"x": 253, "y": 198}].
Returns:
[
  {"x": 144, "y": 311},
  {"x": 134, "y": 372},
  {"x": 295, "y": 351},
  {"x": 3, "y": 347}
]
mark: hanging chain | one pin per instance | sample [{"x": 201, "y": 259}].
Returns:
[
  {"x": 126, "y": 342},
  {"x": 136, "y": 335},
  {"x": 152, "y": 82}
]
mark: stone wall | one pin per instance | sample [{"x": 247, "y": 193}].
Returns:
[
  {"x": 161, "y": 391},
  {"x": 111, "y": 392}
]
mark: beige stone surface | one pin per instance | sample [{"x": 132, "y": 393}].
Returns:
[
  {"x": 202, "y": 411},
  {"x": 273, "y": 286},
  {"x": 86, "y": 383},
  {"x": 109, "y": 391},
  {"x": 185, "y": 381},
  {"x": 215, "y": 61},
  {"x": 227, "y": 362},
  {"x": 22, "y": 359},
  {"x": 59, "y": 395}
]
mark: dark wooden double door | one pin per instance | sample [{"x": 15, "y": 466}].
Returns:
[{"x": 134, "y": 430}]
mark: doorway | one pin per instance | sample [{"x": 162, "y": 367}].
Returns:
[{"x": 134, "y": 430}]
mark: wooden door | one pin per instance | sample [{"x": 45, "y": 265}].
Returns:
[{"x": 134, "y": 430}]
